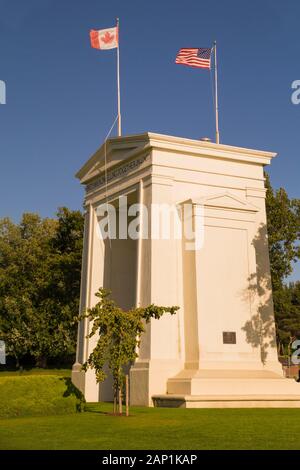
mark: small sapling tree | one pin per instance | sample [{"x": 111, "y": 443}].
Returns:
[{"x": 119, "y": 338}]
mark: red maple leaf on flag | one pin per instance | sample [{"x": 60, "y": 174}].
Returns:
[{"x": 107, "y": 38}]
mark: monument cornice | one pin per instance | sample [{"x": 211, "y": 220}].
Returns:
[
  {"x": 133, "y": 146},
  {"x": 209, "y": 149},
  {"x": 115, "y": 172}
]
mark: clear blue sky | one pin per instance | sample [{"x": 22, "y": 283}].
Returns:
[{"x": 61, "y": 97}]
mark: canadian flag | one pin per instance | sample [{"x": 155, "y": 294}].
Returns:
[{"x": 104, "y": 38}]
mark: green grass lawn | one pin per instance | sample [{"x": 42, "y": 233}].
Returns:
[
  {"x": 156, "y": 428},
  {"x": 37, "y": 411},
  {"x": 36, "y": 395}
]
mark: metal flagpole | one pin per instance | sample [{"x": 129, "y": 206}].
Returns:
[
  {"x": 216, "y": 95},
  {"x": 118, "y": 74}
]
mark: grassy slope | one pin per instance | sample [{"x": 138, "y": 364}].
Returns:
[
  {"x": 36, "y": 371},
  {"x": 34, "y": 395},
  {"x": 156, "y": 429}
]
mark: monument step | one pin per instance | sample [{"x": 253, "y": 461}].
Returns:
[
  {"x": 229, "y": 373},
  {"x": 226, "y": 401},
  {"x": 233, "y": 386}
]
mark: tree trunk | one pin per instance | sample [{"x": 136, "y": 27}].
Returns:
[
  {"x": 120, "y": 401},
  {"x": 41, "y": 362},
  {"x": 115, "y": 402},
  {"x": 127, "y": 394}
]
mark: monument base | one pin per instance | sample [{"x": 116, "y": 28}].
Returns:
[
  {"x": 85, "y": 382},
  {"x": 225, "y": 401},
  {"x": 150, "y": 377},
  {"x": 230, "y": 389}
]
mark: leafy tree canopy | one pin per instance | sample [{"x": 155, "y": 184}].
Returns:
[
  {"x": 283, "y": 217},
  {"x": 40, "y": 262},
  {"x": 119, "y": 334}
]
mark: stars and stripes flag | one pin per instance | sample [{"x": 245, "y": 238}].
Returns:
[
  {"x": 201, "y": 58},
  {"x": 104, "y": 38},
  {"x": 194, "y": 57}
]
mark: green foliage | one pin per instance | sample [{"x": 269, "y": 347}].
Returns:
[
  {"x": 40, "y": 263},
  {"x": 287, "y": 311},
  {"x": 38, "y": 395},
  {"x": 283, "y": 216},
  {"x": 119, "y": 335}
]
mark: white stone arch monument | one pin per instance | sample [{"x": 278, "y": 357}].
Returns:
[{"x": 220, "y": 348}]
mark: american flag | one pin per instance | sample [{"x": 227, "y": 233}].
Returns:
[{"x": 194, "y": 57}]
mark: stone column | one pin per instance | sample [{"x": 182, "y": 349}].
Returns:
[
  {"x": 160, "y": 353},
  {"x": 92, "y": 280}
]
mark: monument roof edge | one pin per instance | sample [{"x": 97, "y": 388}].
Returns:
[
  {"x": 154, "y": 137},
  {"x": 114, "y": 143},
  {"x": 174, "y": 143}
]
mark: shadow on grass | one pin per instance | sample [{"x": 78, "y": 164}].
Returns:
[
  {"x": 97, "y": 408},
  {"x": 72, "y": 390}
]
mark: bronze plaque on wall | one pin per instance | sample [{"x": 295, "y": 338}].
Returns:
[{"x": 229, "y": 337}]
